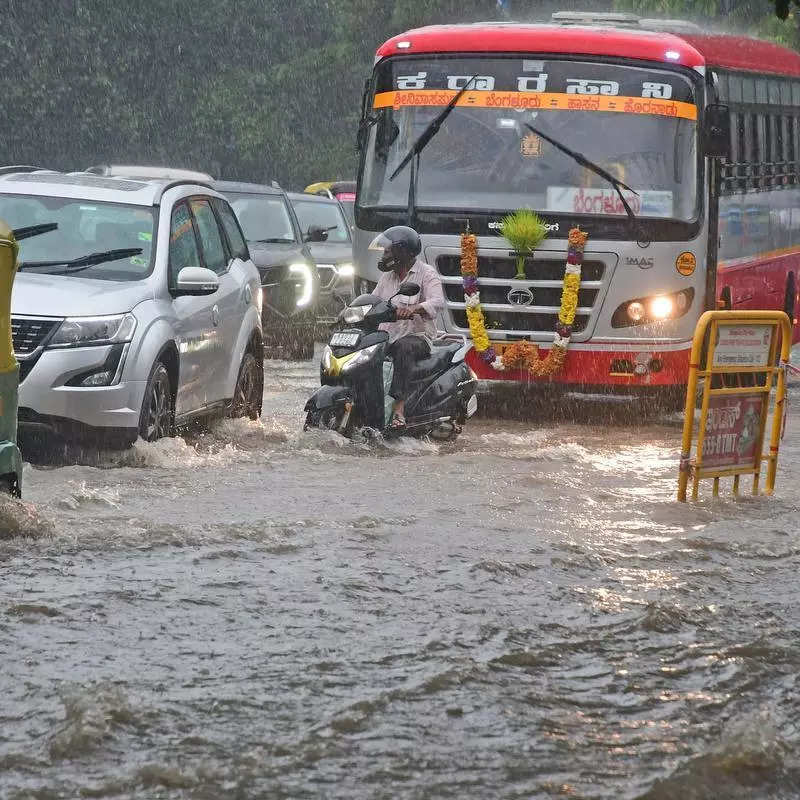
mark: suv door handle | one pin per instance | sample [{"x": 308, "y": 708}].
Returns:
[{"x": 215, "y": 315}]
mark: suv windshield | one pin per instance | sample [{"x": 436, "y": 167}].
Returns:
[
  {"x": 263, "y": 217},
  {"x": 638, "y": 124},
  {"x": 327, "y": 216},
  {"x": 84, "y": 227}
]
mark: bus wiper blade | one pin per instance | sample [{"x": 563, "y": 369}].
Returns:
[
  {"x": 34, "y": 230},
  {"x": 431, "y": 130},
  {"x": 590, "y": 165},
  {"x": 84, "y": 262}
]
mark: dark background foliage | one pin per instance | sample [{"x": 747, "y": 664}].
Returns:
[{"x": 249, "y": 89}]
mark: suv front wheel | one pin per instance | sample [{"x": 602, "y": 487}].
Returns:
[
  {"x": 157, "y": 419},
  {"x": 249, "y": 388}
]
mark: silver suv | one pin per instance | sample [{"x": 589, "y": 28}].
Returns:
[{"x": 138, "y": 311}]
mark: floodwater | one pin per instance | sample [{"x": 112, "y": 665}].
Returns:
[{"x": 255, "y": 612}]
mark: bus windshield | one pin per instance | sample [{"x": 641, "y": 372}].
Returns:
[{"x": 638, "y": 124}]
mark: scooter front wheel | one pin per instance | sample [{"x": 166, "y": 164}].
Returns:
[{"x": 331, "y": 419}]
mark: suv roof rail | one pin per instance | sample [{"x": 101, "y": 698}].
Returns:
[
  {"x": 183, "y": 182},
  {"x": 147, "y": 172},
  {"x": 12, "y": 168}
]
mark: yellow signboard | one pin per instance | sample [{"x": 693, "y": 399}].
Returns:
[{"x": 736, "y": 354}]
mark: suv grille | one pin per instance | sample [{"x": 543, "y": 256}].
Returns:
[
  {"x": 327, "y": 275},
  {"x": 29, "y": 333}
]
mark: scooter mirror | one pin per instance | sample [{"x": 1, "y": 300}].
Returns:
[{"x": 408, "y": 289}]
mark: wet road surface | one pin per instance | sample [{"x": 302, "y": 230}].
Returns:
[{"x": 255, "y": 612}]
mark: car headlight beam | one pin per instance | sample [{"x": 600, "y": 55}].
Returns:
[{"x": 304, "y": 271}]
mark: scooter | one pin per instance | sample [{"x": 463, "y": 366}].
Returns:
[{"x": 356, "y": 376}]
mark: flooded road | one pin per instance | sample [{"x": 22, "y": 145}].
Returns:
[{"x": 254, "y": 612}]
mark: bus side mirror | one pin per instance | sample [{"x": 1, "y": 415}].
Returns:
[{"x": 717, "y": 131}]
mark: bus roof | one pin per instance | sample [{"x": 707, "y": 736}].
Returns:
[{"x": 687, "y": 49}]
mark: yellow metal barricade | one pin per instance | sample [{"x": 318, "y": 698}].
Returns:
[{"x": 736, "y": 353}]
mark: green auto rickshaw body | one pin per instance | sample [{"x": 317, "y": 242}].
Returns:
[{"x": 10, "y": 459}]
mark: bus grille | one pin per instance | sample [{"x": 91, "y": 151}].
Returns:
[
  {"x": 531, "y": 313},
  {"x": 545, "y": 269},
  {"x": 29, "y": 333}
]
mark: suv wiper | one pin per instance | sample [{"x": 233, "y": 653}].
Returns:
[
  {"x": 273, "y": 240},
  {"x": 84, "y": 262},
  {"x": 430, "y": 131},
  {"x": 590, "y": 165},
  {"x": 34, "y": 230}
]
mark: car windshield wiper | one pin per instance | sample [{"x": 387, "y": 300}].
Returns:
[
  {"x": 34, "y": 230},
  {"x": 590, "y": 165},
  {"x": 273, "y": 240},
  {"x": 84, "y": 262},
  {"x": 413, "y": 154}
]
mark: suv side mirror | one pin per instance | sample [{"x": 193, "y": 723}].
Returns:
[
  {"x": 196, "y": 282},
  {"x": 408, "y": 289},
  {"x": 717, "y": 131},
  {"x": 316, "y": 234}
]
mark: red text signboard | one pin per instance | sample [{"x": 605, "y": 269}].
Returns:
[{"x": 732, "y": 431}]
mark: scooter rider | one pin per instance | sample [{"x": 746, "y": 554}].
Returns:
[{"x": 410, "y": 337}]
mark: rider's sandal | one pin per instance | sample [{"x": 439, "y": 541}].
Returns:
[{"x": 398, "y": 422}]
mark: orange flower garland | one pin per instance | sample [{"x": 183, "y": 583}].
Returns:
[{"x": 523, "y": 355}]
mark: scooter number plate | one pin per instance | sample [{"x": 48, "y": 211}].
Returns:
[{"x": 344, "y": 339}]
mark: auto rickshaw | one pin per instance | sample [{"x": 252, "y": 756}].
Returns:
[
  {"x": 10, "y": 458},
  {"x": 343, "y": 191}
]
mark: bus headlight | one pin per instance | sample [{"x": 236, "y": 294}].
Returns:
[
  {"x": 644, "y": 310},
  {"x": 661, "y": 307}
]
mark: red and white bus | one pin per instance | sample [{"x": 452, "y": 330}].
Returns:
[{"x": 647, "y": 105}]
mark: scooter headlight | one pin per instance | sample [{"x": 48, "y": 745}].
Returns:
[
  {"x": 355, "y": 314},
  {"x": 360, "y": 358}
]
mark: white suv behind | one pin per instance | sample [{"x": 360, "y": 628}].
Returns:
[{"x": 138, "y": 311}]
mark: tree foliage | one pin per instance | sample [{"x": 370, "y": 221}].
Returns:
[{"x": 250, "y": 89}]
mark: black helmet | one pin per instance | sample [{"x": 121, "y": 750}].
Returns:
[{"x": 400, "y": 246}]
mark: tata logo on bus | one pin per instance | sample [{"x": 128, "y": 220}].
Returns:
[{"x": 520, "y": 297}]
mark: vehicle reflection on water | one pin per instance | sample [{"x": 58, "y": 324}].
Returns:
[{"x": 253, "y": 611}]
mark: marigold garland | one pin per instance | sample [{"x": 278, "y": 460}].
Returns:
[{"x": 523, "y": 355}]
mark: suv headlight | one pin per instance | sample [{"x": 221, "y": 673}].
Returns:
[
  {"x": 306, "y": 293},
  {"x": 84, "y": 331}
]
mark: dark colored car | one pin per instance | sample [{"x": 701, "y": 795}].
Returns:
[
  {"x": 325, "y": 228},
  {"x": 289, "y": 279}
]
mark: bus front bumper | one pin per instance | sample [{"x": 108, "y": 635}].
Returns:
[{"x": 639, "y": 365}]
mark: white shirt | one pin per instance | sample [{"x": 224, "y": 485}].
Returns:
[{"x": 430, "y": 299}]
